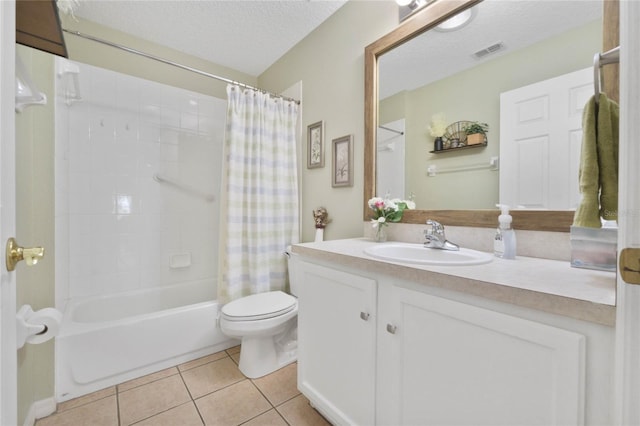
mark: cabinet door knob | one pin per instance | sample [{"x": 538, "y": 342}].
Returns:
[
  {"x": 364, "y": 316},
  {"x": 391, "y": 328}
]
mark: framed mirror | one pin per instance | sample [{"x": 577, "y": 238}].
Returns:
[{"x": 423, "y": 25}]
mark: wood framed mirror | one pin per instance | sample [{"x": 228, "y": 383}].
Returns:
[{"x": 421, "y": 22}]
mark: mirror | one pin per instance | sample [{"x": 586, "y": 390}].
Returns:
[{"x": 397, "y": 94}]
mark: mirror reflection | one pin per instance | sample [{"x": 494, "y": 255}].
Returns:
[{"x": 457, "y": 76}]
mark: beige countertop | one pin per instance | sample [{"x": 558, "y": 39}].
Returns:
[{"x": 547, "y": 285}]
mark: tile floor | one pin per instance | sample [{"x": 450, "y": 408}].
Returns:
[{"x": 209, "y": 391}]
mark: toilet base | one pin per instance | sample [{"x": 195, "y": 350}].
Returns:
[{"x": 260, "y": 356}]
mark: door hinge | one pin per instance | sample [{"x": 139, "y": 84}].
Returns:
[{"x": 630, "y": 265}]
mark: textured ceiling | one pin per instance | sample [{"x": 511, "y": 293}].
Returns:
[{"x": 245, "y": 35}]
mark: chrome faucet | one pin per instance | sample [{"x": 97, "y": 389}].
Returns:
[{"x": 436, "y": 239}]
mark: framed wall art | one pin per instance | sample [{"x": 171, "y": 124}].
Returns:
[
  {"x": 315, "y": 145},
  {"x": 342, "y": 161}
]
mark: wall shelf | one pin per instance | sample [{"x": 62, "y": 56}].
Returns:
[
  {"x": 38, "y": 26},
  {"x": 480, "y": 145}
]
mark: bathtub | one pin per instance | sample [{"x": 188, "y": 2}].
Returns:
[{"x": 107, "y": 340}]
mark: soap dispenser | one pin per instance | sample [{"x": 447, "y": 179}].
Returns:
[{"x": 504, "y": 242}]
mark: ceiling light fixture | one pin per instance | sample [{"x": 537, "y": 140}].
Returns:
[{"x": 458, "y": 21}]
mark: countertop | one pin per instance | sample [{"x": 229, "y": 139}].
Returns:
[{"x": 547, "y": 285}]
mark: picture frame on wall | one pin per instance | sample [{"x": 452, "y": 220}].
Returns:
[
  {"x": 342, "y": 161},
  {"x": 315, "y": 145}
]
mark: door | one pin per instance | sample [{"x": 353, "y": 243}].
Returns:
[
  {"x": 540, "y": 140},
  {"x": 627, "y": 409},
  {"x": 336, "y": 342},
  {"x": 390, "y": 159},
  {"x": 8, "y": 350}
]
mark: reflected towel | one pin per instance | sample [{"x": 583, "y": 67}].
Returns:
[{"x": 598, "y": 177}]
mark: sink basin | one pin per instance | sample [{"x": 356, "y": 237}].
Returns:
[{"x": 417, "y": 253}]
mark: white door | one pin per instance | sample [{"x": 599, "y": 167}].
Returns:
[
  {"x": 627, "y": 408},
  {"x": 540, "y": 139},
  {"x": 390, "y": 159},
  {"x": 8, "y": 362}
]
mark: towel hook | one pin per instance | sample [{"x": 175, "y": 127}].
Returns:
[
  {"x": 596, "y": 76},
  {"x": 599, "y": 59}
]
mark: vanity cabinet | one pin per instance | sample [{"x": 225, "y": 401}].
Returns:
[
  {"x": 379, "y": 350},
  {"x": 337, "y": 342}
]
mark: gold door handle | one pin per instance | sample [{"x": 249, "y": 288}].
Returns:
[{"x": 15, "y": 254}]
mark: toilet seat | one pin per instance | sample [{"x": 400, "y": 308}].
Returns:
[{"x": 259, "y": 306}]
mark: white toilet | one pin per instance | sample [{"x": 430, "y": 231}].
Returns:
[{"x": 267, "y": 324}]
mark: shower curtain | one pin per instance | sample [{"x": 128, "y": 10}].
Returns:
[{"x": 262, "y": 205}]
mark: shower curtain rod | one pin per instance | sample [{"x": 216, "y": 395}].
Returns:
[
  {"x": 175, "y": 64},
  {"x": 391, "y": 130}
]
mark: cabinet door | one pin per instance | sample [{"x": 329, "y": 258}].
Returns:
[
  {"x": 452, "y": 363},
  {"x": 336, "y": 343}
]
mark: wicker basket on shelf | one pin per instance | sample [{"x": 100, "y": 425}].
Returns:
[{"x": 455, "y": 132}]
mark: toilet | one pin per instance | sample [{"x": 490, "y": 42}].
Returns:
[{"x": 267, "y": 325}]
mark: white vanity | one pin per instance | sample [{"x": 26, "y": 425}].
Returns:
[{"x": 529, "y": 341}]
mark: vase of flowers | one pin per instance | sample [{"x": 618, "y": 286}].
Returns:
[
  {"x": 380, "y": 233},
  {"x": 386, "y": 211}
]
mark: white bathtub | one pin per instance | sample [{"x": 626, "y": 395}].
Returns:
[{"x": 106, "y": 340}]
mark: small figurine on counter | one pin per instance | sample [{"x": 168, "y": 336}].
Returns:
[{"x": 321, "y": 218}]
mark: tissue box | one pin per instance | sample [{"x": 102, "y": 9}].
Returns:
[{"x": 594, "y": 248}]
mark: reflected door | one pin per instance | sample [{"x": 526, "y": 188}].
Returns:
[
  {"x": 540, "y": 139},
  {"x": 391, "y": 160}
]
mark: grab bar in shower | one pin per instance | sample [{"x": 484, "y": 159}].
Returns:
[
  {"x": 183, "y": 187},
  {"x": 69, "y": 73}
]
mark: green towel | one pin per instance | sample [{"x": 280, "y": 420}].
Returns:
[{"x": 598, "y": 176}]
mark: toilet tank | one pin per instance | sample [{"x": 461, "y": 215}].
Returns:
[{"x": 293, "y": 267}]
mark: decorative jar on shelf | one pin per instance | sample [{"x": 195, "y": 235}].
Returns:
[
  {"x": 475, "y": 139},
  {"x": 437, "y": 144}
]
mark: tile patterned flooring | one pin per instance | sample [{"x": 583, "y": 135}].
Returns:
[{"x": 207, "y": 391}]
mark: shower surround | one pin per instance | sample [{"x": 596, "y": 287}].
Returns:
[{"x": 138, "y": 171}]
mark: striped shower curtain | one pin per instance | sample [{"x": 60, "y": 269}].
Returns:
[{"x": 261, "y": 178}]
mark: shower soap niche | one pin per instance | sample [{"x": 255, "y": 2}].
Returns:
[{"x": 180, "y": 260}]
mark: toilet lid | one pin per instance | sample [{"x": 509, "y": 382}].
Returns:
[{"x": 259, "y": 306}]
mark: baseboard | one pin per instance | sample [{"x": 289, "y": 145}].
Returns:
[{"x": 40, "y": 409}]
